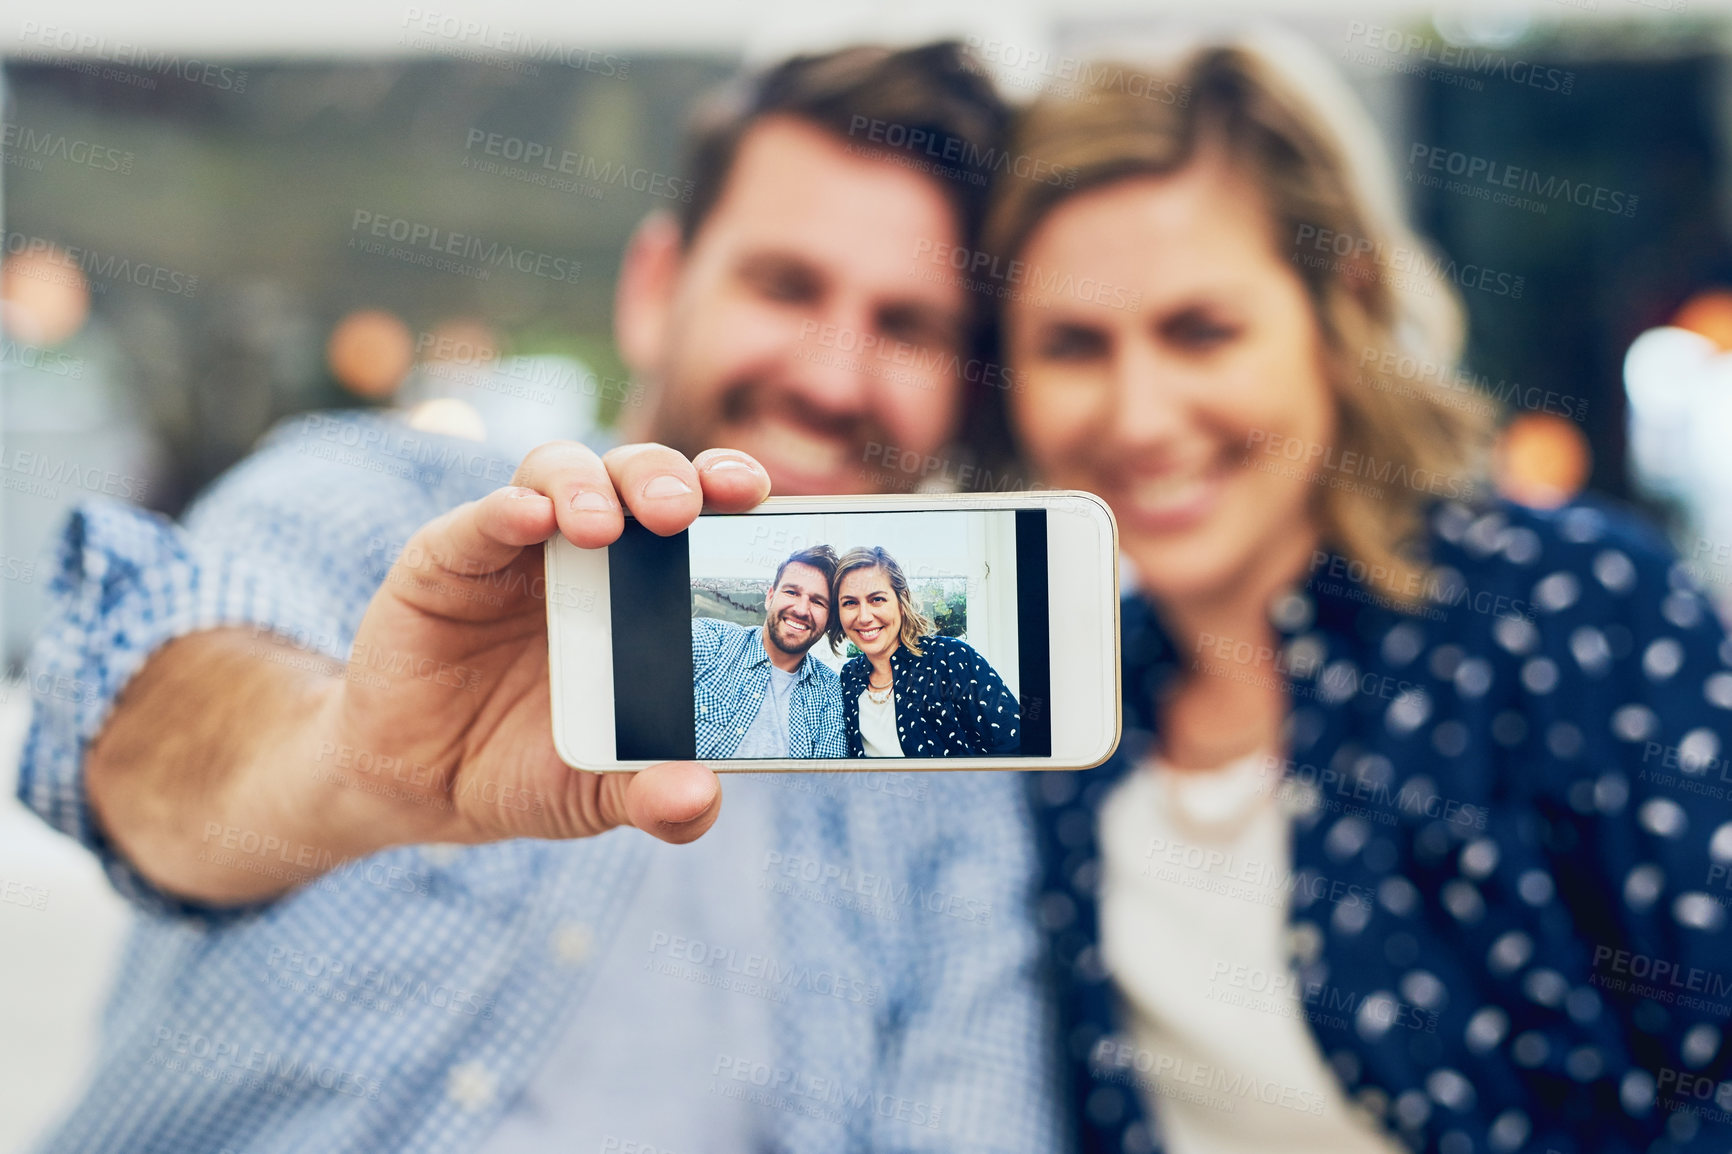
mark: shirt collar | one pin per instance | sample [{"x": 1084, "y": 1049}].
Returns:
[{"x": 761, "y": 656}]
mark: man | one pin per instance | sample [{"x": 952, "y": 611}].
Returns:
[
  {"x": 760, "y": 693},
  {"x": 375, "y": 916}
]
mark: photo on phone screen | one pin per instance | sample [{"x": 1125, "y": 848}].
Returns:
[{"x": 829, "y": 635}]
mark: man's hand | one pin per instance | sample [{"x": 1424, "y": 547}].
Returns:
[{"x": 266, "y": 750}]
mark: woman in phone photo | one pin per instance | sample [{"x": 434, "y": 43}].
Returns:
[
  {"x": 1415, "y": 781},
  {"x": 910, "y": 691}
]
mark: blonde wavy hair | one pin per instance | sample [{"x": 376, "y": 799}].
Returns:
[
  {"x": 915, "y": 624},
  {"x": 1288, "y": 123}
]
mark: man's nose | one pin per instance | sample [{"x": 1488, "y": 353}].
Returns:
[{"x": 836, "y": 352}]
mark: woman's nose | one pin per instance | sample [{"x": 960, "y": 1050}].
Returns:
[{"x": 1148, "y": 402}]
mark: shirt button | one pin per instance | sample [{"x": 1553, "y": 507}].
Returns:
[
  {"x": 441, "y": 853},
  {"x": 573, "y": 943},
  {"x": 471, "y": 1085}
]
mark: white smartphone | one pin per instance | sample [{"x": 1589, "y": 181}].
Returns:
[{"x": 946, "y": 631}]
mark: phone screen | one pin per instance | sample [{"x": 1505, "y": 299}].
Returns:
[{"x": 873, "y": 635}]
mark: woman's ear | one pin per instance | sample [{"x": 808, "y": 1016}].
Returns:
[{"x": 643, "y": 303}]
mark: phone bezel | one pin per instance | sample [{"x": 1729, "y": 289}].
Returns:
[{"x": 1083, "y": 599}]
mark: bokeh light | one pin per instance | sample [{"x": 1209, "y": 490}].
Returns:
[
  {"x": 448, "y": 417},
  {"x": 370, "y": 352},
  {"x": 1710, "y": 314},
  {"x": 44, "y": 297},
  {"x": 1542, "y": 460}
]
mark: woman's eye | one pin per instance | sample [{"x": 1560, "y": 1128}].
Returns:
[{"x": 1199, "y": 332}]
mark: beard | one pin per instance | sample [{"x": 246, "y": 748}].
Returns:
[
  {"x": 781, "y": 641},
  {"x": 834, "y": 461}
]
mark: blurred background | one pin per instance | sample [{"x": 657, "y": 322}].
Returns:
[{"x": 215, "y": 217}]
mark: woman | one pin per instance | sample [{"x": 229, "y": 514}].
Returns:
[
  {"x": 1417, "y": 787},
  {"x": 911, "y": 692}
]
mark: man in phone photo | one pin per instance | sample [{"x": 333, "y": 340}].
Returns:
[
  {"x": 758, "y": 692},
  {"x": 614, "y": 988}
]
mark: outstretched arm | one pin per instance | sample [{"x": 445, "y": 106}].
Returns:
[{"x": 221, "y": 744}]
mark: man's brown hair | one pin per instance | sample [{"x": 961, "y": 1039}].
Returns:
[
  {"x": 926, "y": 107},
  {"x": 820, "y": 557}
]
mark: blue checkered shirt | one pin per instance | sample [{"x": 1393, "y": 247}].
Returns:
[
  {"x": 731, "y": 676},
  {"x": 462, "y": 965}
]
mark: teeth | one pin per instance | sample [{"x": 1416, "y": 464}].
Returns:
[
  {"x": 1169, "y": 492},
  {"x": 807, "y": 451}
]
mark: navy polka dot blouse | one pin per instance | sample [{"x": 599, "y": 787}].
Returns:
[
  {"x": 949, "y": 702},
  {"x": 1513, "y": 844}
]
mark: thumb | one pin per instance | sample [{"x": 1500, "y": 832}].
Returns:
[{"x": 677, "y": 801}]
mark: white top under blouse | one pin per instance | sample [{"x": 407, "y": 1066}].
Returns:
[
  {"x": 1194, "y": 906},
  {"x": 878, "y": 726}
]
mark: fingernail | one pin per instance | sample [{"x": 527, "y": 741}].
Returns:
[
  {"x": 728, "y": 465},
  {"x": 666, "y": 485},
  {"x": 590, "y": 501}
]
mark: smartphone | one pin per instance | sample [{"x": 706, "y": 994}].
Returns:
[{"x": 915, "y": 632}]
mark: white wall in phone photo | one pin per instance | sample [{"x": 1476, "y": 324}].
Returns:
[{"x": 960, "y": 565}]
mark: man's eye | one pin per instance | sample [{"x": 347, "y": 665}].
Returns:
[
  {"x": 1065, "y": 343},
  {"x": 918, "y": 326},
  {"x": 784, "y": 284}
]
